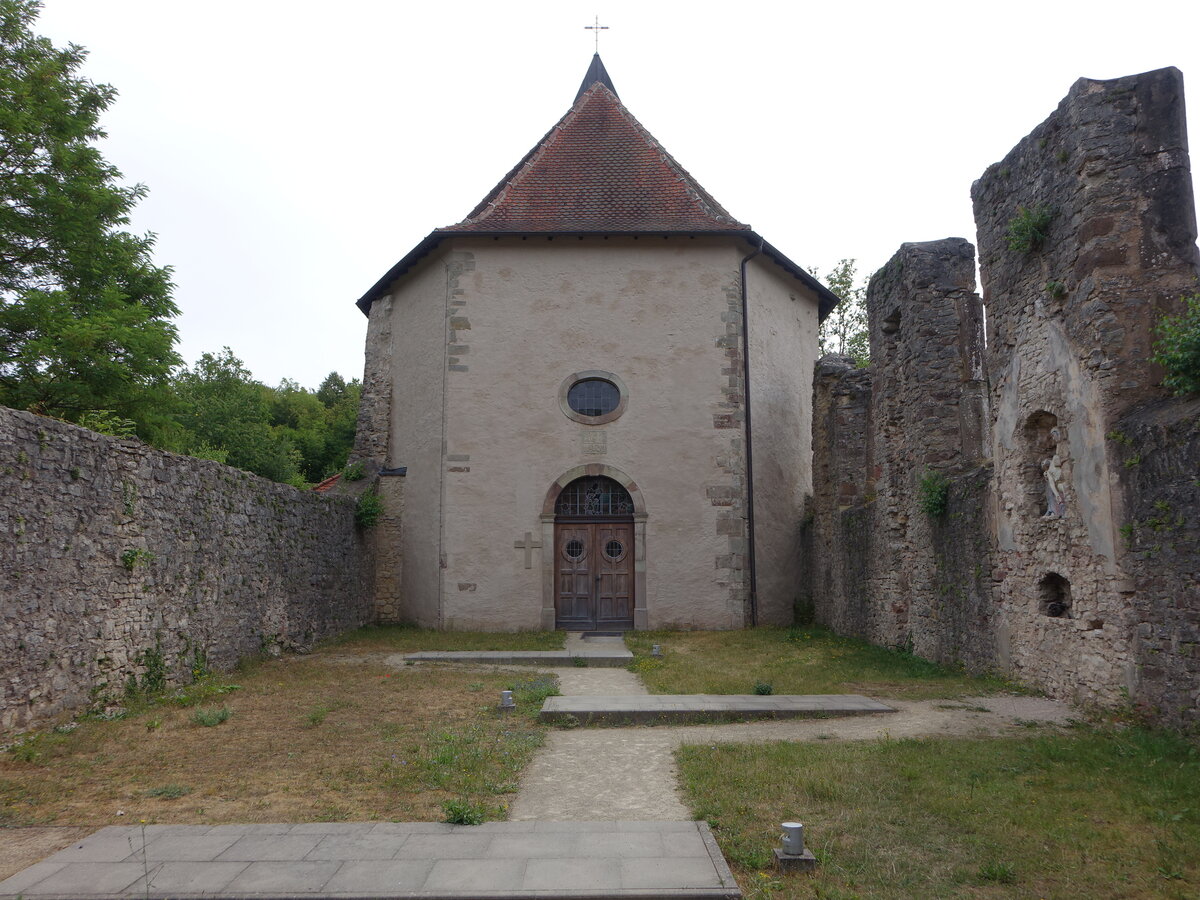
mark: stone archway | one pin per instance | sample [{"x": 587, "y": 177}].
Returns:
[{"x": 549, "y": 586}]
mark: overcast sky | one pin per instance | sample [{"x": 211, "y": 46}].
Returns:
[{"x": 295, "y": 150}]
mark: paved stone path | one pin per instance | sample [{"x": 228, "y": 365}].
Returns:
[
  {"x": 385, "y": 859},
  {"x": 630, "y": 773},
  {"x": 610, "y": 709}
]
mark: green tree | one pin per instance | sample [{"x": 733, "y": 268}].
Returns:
[
  {"x": 84, "y": 312},
  {"x": 844, "y": 330},
  {"x": 226, "y": 415},
  {"x": 1177, "y": 349}
]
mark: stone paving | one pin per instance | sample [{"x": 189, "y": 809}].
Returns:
[
  {"x": 599, "y": 651},
  {"x": 651, "y": 710},
  {"x": 385, "y": 859}
]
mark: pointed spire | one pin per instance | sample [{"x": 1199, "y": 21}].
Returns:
[{"x": 596, "y": 72}]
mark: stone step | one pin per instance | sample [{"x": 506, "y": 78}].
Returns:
[
  {"x": 600, "y": 655},
  {"x": 669, "y": 709},
  {"x": 431, "y": 861}
]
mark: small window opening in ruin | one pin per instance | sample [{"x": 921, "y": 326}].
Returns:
[
  {"x": 1043, "y": 467},
  {"x": 891, "y": 324},
  {"x": 1055, "y": 596}
]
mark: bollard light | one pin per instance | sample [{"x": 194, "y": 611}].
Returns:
[
  {"x": 506, "y": 700},
  {"x": 656, "y": 650},
  {"x": 793, "y": 838},
  {"x": 792, "y": 856}
]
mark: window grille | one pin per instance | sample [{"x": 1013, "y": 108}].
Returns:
[{"x": 598, "y": 496}]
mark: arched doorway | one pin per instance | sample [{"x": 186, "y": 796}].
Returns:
[{"x": 594, "y": 556}]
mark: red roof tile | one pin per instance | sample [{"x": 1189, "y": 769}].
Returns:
[
  {"x": 598, "y": 170},
  {"x": 328, "y": 483}
]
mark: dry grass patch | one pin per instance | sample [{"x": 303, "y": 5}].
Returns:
[
  {"x": 793, "y": 661},
  {"x": 302, "y": 739},
  {"x": 410, "y": 639},
  {"x": 1093, "y": 813}
]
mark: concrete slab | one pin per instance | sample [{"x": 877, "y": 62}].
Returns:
[
  {"x": 595, "y": 656},
  {"x": 655, "y": 709},
  {"x": 434, "y": 861}
]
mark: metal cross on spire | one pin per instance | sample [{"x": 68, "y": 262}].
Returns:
[{"x": 597, "y": 27}]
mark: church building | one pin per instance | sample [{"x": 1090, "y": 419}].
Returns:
[{"x": 598, "y": 387}]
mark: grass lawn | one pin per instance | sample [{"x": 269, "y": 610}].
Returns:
[
  {"x": 1091, "y": 813},
  {"x": 296, "y": 739},
  {"x": 409, "y": 639},
  {"x": 793, "y": 661}
]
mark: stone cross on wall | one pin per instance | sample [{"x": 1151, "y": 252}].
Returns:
[{"x": 528, "y": 545}]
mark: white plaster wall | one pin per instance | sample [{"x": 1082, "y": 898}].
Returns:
[
  {"x": 418, "y": 345},
  {"x": 783, "y": 320},
  {"x": 648, "y": 310}
]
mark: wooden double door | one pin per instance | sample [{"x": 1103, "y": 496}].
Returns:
[{"x": 593, "y": 573}]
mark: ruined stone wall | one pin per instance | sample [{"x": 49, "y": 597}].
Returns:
[
  {"x": 1159, "y": 449},
  {"x": 1069, "y": 552},
  {"x": 881, "y": 567},
  {"x": 111, "y": 550},
  {"x": 836, "y": 532},
  {"x": 1071, "y": 312}
]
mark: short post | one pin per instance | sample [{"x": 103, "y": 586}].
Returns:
[
  {"x": 656, "y": 650},
  {"x": 793, "y": 856},
  {"x": 506, "y": 700}
]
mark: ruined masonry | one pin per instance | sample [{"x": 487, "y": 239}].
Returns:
[{"x": 1068, "y": 554}]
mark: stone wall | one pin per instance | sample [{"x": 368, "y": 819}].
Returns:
[
  {"x": 1068, "y": 554},
  {"x": 115, "y": 554},
  {"x": 1159, "y": 449},
  {"x": 1070, "y": 331},
  {"x": 883, "y": 569}
]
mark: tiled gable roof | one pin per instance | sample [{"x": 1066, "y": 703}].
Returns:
[{"x": 597, "y": 170}]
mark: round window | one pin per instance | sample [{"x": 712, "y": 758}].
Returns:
[
  {"x": 574, "y": 549},
  {"x": 614, "y": 549},
  {"x": 593, "y": 397}
]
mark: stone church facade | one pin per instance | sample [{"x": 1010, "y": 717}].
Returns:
[{"x": 598, "y": 386}]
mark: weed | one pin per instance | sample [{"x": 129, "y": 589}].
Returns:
[
  {"x": 1120, "y": 437},
  {"x": 200, "y": 691},
  {"x": 169, "y": 791},
  {"x": 210, "y": 717},
  {"x": 316, "y": 716},
  {"x": 1063, "y": 156},
  {"x": 463, "y": 812},
  {"x": 154, "y": 678},
  {"x": 933, "y": 494},
  {"x": 368, "y": 509},
  {"x": 354, "y": 472},
  {"x": 579, "y": 662},
  {"x": 763, "y": 688},
  {"x": 998, "y": 872},
  {"x": 534, "y": 691},
  {"x": 25, "y": 751},
  {"x": 136, "y": 557},
  {"x": 1028, "y": 229},
  {"x": 128, "y": 497},
  {"x": 760, "y": 886},
  {"x": 1134, "y": 459},
  {"x": 154, "y": 724},
  {"x": 1056, "y": 289}
]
